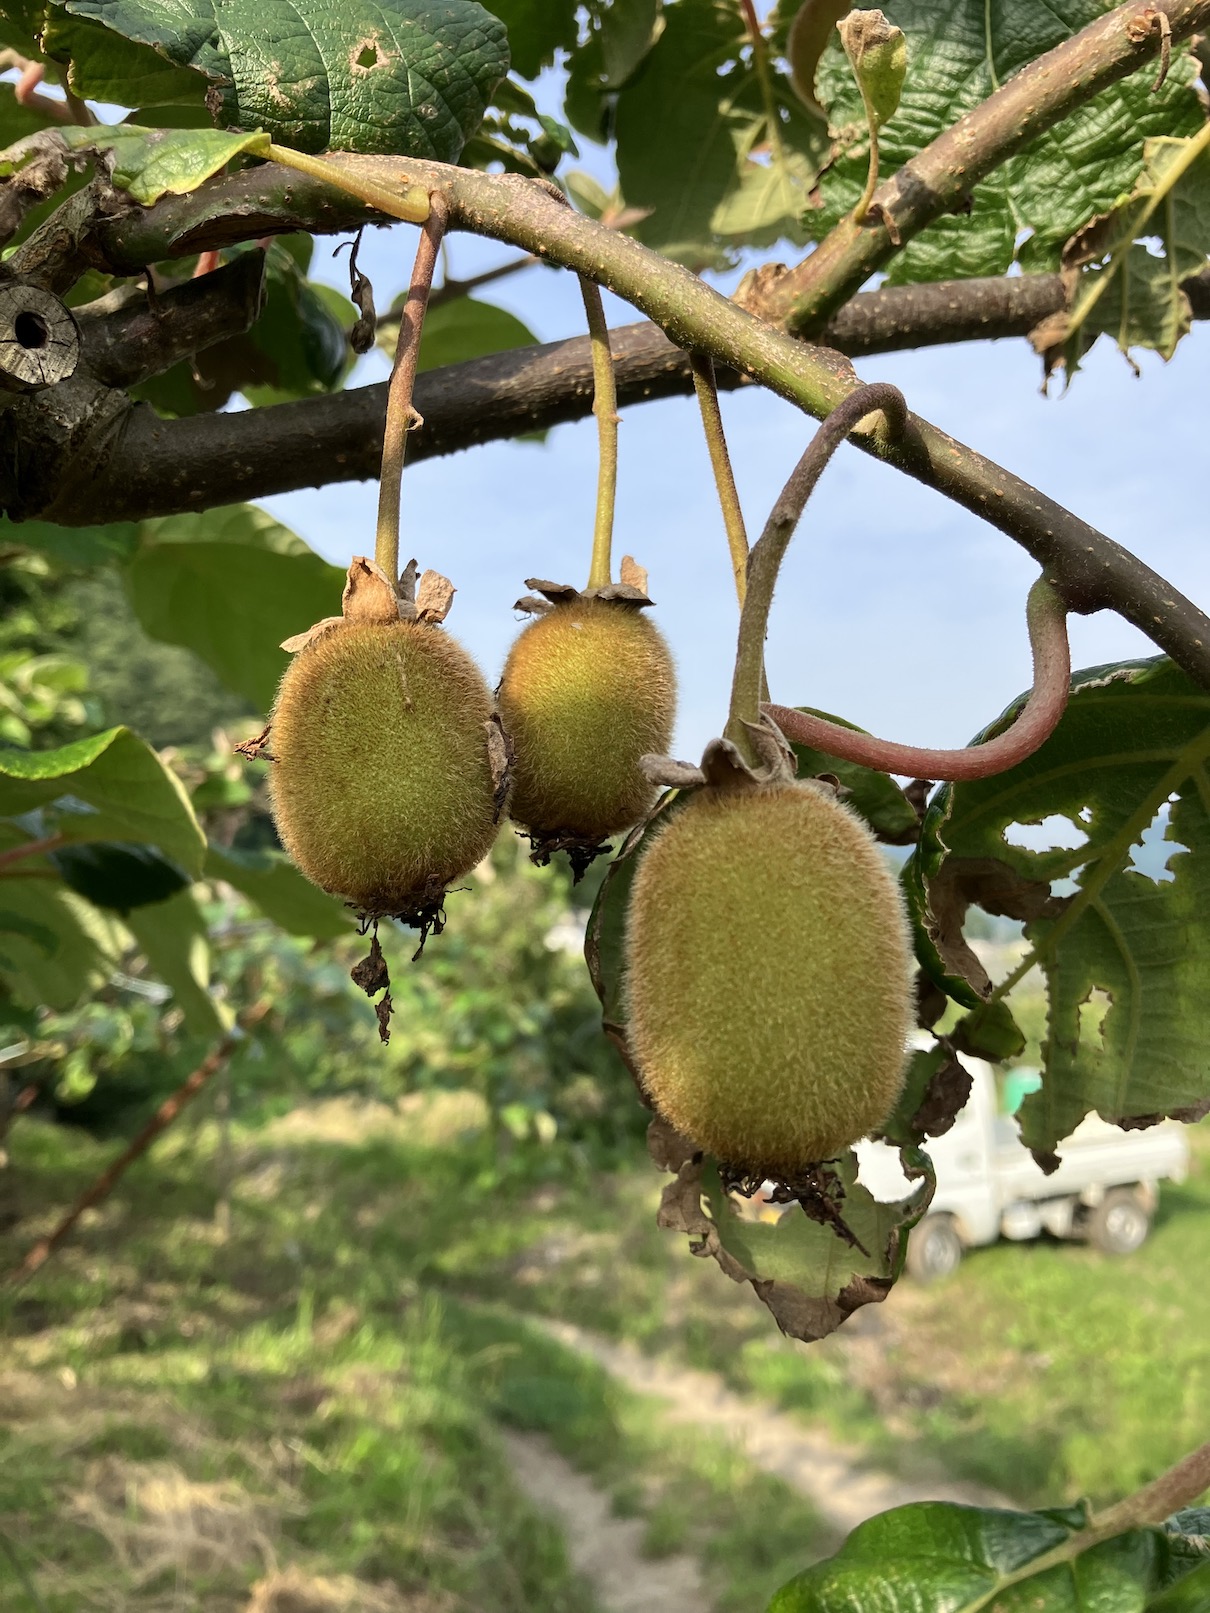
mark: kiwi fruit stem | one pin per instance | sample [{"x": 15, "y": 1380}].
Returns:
[
  {"x": 1046, "y": 615},
  {"x": 764, "y": 562},
  {"x": 401, "y": 413},
  {"x": 705, "y": 386},
  {"x": 605, "y": 407}
]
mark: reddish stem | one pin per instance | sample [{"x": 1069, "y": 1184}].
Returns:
[
  {"x": 207, "y": 263},
  {"x": 31, "y": 848},
  {"x": 1047, "y": 620}
]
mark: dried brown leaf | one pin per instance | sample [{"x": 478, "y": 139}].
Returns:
[
  {"x": 369, "y": 597},
  {"x": 434, "y": 596}
]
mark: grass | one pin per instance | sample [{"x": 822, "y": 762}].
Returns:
[
  {"x": 321, "y": 1390},
  {"x": 182, "y": 1415}
]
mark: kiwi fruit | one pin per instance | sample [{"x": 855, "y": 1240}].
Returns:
[
  {"x": 588, "y": 688},
  {"x": 768, "y": 977},
  {"x": 382, "y": 788}
]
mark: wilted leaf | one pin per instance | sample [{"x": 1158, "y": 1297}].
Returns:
[
  {"x": 412, "y": 77},
  {"x": 110, "y": 786},
  {"x": 812, "y": 1273},
  {"x": 959, "y": 54},
  {"x": 877, "y": 53},
  {"x": 1131, "y": 291},
  {"x": 938, "y": 1555},
  {"x": 1127, "y": 955}
]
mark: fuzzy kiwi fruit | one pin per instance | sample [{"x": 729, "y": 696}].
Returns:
[
  {"x": 588, "y": 688},
  {"x": 382, "y": 785},
  {"x": 768, "y": 977}
]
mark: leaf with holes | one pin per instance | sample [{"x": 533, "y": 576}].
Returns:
[
  {"x": 1118, "y": 285},
  {"x": 1126, "y": 955},
  {"x": 940, "y": 1555},
  {"x": 412, "y": 77},
  {"x": 959, "y": 52}
]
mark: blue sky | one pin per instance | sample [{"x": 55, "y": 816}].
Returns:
[{"x": 897, "y": 609}]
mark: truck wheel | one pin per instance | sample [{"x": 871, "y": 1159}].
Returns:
[
  {"x": 1119, "y": 1224},
  {"x": 934, "y": 1249}
]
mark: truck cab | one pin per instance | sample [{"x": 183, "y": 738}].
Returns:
[{"x": 1104, "y": 1192}]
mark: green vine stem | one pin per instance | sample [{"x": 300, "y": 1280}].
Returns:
[
  {"x": 401, "y": 413},
  {"x": 605, "y": 407},
  {"x": 704, "y": 384},
  {"x": 1046, "y": 616},
  {"x": 764, "y": 563},
  {"x": 410, "y": 203}
]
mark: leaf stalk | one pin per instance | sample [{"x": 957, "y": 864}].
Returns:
[{"x": 605, "y": 408}]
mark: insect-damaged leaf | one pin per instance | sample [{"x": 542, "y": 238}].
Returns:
[
  {"x": 409, "y": 77},
  {"x": 938, "y": 1555},
  {"x": 1126, "y": 954},
  {"x": 959, "y": 52}
]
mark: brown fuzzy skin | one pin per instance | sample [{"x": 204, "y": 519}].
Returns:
[
  {"x": 382, "y": 788},
  {"x": 587, "y": 689},
  {"x": 768, "y": 977}
]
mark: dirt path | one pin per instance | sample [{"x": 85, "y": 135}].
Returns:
[
  {"x": 810, "y": 1461},
  {"x": 605, "y": 1549}
]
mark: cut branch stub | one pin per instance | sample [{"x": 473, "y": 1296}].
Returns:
[{"x": 39, "y": 340}]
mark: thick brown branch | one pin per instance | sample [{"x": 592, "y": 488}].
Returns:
[
  {"x": 1089, "y": 570},
  {"x": 941, "y": 177},
  {"x": 129, "y": 338}
]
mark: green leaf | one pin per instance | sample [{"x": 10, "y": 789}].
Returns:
[
  {"x": 464, "y": 329},
  {"x": 1127, "y": 289},
  {"x": 947, "y": 1558},
  {"x": 150, "y": 163},
  {"x": 411, "y": 77},
  {"x": 959, "y": 52},
  {"x": 80, "y": 547},
  {"x": 537, "y": 29},
  {"x": 232, "y": 604},
  {"x": 281, "y": 893},
  {"x": 627, "y": 29},
  {"x": 1127, "y": 955},
  {"x": 111, "y": 786},
  {"x": 172, "y": 937},
  {"x": 226, "y": 523},
  {"x": 874, "y": 795},
  {"x": 86, "y": 944},
  {"x": 697, "y": 146},
  {"x": 103, "y": 66},
  {"x": 989, "y": 1032},
  {"x": 118, "y": 877}
]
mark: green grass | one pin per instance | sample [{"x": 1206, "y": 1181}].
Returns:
[{"x": 322, "y": 1391}]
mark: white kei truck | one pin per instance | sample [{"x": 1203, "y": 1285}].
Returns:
[{"x": 1104, "y": 1192}]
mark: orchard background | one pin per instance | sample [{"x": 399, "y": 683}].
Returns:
[{"x": 374, "y": 1327}]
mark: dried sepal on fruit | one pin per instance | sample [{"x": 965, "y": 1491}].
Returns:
[
  {"x": 768, "y": 972},
  {"x": 588, "y": 689},
  {"x": 386, "y": 785}
]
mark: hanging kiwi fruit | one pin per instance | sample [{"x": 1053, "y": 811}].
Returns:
[
  {"x": 389, "y": 772},
  {"x": 768, "y": 964},
  {"x": 589, "y": 686},
  {"x": 385, "y": 786},
  {"x": 768, "y": 978}
]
